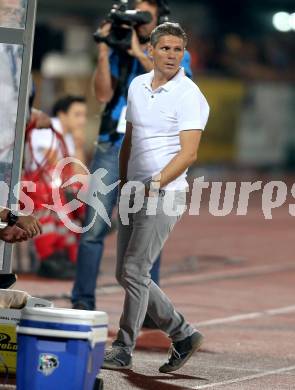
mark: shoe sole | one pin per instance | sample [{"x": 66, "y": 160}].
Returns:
[
  {"x": 103, "y": 367},
  {"x": 195, "y": 348}
]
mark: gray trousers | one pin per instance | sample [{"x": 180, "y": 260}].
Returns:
[{"x": 139, "y": 244}]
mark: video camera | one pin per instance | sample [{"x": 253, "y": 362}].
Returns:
[{"x": 122, "y": 19}]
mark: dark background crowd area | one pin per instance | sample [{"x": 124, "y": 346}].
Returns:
[{"x": 225, "y": 38}]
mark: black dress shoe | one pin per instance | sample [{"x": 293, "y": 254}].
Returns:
[{"x": 181, "y": 351}]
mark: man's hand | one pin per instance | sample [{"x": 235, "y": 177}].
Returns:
[
  {"x": 12, "y": 234},
  {"x": 30, "y": 225},
  {"x": 41, "y": 119},
  {"x": 135, "y": 50},
  {"x": 104, "y": 31}
]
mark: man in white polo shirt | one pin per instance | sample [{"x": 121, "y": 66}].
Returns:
[{"x": 166, "y": 114}]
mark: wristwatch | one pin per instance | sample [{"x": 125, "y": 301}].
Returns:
[{"x": 11, "y": 218}]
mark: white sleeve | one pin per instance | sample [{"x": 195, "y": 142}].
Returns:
[{"x": 192, "y": 110}]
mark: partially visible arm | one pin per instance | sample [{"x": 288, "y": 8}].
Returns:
[
  {"x": 189, "y": 142},
  {"x": 103, "y": 81},
  {"x": 29, "y": 224},
  {"x": 3, "y": 213},
  {"x": 12, "y": 234},
  {"x": 125, "y": 154},
  {"x": 145, "y": 62},
  {"x": 41, "y": 120},
  {"x": 137, "y": 52}
]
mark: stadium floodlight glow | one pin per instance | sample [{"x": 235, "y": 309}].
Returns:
[
  {"x": 292, "y": 21},
  {"x": 282, "y": 21}
]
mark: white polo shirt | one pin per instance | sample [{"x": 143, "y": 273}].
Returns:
[{"x": 157, "y": 118}]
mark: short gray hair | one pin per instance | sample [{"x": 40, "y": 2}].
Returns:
[{"x": 168, "y": 28}]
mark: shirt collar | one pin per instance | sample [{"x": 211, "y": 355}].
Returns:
[{"x": 167, "y": 87}]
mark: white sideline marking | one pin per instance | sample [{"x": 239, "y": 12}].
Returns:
[
  {"x": 231, "y": 274},
  {"x": 246, "y": 378},
  {"x": 247, "y": 316}
]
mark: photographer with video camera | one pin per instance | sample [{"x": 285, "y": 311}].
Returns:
[{"x": 122, "y": 44}]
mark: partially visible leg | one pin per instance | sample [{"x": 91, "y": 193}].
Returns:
[
  {"x": 147, "y": 239},
  {"x": 91, "y": 245},
  {"x": 185, "y": 339},
  {"x": 163, "y": 313}
]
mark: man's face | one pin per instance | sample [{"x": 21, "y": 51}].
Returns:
[
  {"x": 75, "y": 118},
  {"x": 167, "y": 55},
  {"x": 145, "y": 29}
]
